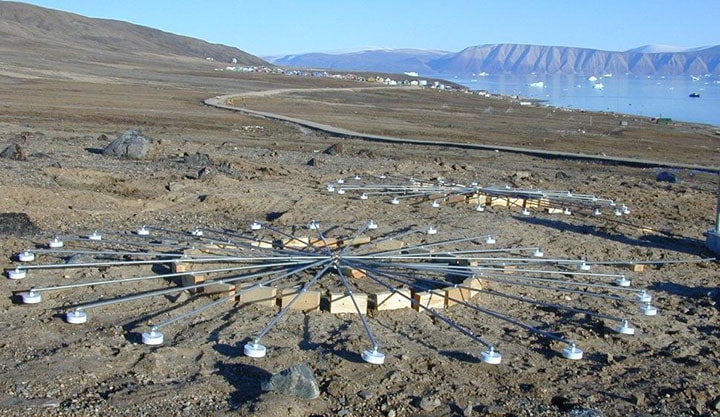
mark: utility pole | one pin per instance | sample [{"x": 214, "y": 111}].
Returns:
[{"x": 713, "y": 235}]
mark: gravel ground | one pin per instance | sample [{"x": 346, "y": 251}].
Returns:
[{"x": 219, "y": 169}]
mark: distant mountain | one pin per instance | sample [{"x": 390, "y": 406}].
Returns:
[
  {"x": 519, "y": 59},
  {"x": 33, "y": 35},
  {"x": 659, "y": 48},
  {"x": 385, "y": 60}
]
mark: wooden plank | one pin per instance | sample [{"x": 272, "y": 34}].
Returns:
[
  {"x": 478, "y": 199},
  {"x": 302, "y": 242},
  {"x": 456, "y": 198},
  {"x": 391, "y": 300},
  {"x": 474, "y": 284},
  {"x": 354, "y": 273},
  {"x": 338, "y": 303},
  {"x": 498, "y": 201},
  {"x": 356, "y": 241},
  {"x": 191, "y": 279},
  {"x": 306, "y": 301},
  {"x": 260, "y": 295},
  {"x": 455, "y": 294},
  {"x": 329, "y": 242},
  {"x": 637, "y": 267},
  {"x": 218, "y": 290},
  {"x": 178, "y": 267},
  {"x": 516, "y": 202},
  {"x": 388, "y": 245},
  {"x": 532, "y": 203},
  {"x": 429, "y": 299}
]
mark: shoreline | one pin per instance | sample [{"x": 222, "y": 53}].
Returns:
[{"x": 552, "y": 88}]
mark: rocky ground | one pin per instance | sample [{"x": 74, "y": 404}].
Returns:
[{"x": 219, "y": 169}]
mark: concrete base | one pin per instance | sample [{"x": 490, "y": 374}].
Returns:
[{"x": 713, "y": 240}]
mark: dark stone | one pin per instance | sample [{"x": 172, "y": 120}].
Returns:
[
  {"x": 297, "y": 380},
  {"x": 197, "y": 159},
  {"x": 715, "y": 405},
  {"x": 563, "y": 403},
  {"x": 665, "y": 176},
  {"x": 17, "y": 224},
  {"x": 561, "y": 176},
  {"x": 365, "y": 395},
  {"x": 15, "y": 152},
  {"x": 204, "y": 172},
  {"x": 131, "y": 145},
  {"x": 335, "y": 149},
  {"x": 585, "y": 412},
  {"x": 274, "y": 215},
  {"x": 313, "y": 162},
  {"x": 366, "y": 153}
]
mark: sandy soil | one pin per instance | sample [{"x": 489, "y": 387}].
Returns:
[{"x": 259, "y": 168}]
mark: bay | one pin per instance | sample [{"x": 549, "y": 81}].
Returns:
[{"x": 651, "y": 96}]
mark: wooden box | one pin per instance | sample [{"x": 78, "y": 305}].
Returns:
[
  {"x": 306, "y": 301},
  {"x": 473, "y": 285},
  {"x": 453, "y": 295},
  {"x": 337, "y": 303},
  {"x": 429, "y": 299},
  {"x": 261, "y": 295},
  {"x": 391, "y": 300}
]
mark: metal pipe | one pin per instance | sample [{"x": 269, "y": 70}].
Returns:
[
  {"x": 285, "y": 309},
  {"x": 364, "y": 322},
  {"x": 194, "y": 286},
  {"x": 170, "y": 275}
]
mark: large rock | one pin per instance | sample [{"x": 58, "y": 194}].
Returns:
[
  {"x": 132, "y": 145},
  {"x": 297, "y": 380},
  {"x": 665, "y": 176},
  {"x": 17, "y": 224},
  {"x": 14, "y": 151}
]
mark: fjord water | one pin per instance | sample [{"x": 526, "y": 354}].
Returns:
[{"x": 647, "y": 96}]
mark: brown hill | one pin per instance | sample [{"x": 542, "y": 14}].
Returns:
[{"x": 46, "y": 39}]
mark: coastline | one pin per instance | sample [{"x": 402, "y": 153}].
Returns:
[{"x": 647, "y": 97}]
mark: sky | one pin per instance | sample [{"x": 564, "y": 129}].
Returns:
[{"x": 282, "y": 27}]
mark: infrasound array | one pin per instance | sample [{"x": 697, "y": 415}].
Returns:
[
  {"x": 341, "y": 269},
  {"x": 436, "y": 192}
]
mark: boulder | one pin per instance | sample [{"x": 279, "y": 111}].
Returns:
[
  {"x": 131, "y": 144},
  {"x": 15, "y": 152},
  {"x": 297, "y": 380},
  {"x": 335, "y": 149},
  {"x": 665, "y": 176}
]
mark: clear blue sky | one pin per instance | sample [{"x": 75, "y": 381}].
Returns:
[{"x": 270, "y": 27}]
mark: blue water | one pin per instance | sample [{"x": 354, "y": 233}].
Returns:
[{"x": 654, "y": 96}]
